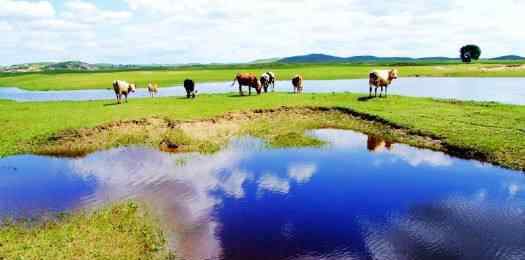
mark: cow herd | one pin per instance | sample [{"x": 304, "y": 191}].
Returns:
[{"x": 377, "y": 78}]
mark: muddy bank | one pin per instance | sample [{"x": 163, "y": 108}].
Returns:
[{"x": 281, "y": 127}]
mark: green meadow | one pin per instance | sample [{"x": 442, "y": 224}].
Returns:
[
  {"x": 494, "y": 130},
  {"x": 175, "y": 76}
]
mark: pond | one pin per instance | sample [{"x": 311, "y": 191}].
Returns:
[
  {"x": 358, "y": 197},
  {"x": 504, "y": 90}
]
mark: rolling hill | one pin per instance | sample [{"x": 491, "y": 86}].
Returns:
[
  {"x": 320, "y": 58},
  {"x": 509, "y": 57}
]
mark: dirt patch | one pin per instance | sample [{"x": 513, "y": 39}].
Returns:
[{"x": 511, "y": 67}]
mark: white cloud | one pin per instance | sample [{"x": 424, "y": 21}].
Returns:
[
  {"x": 86, "y": 12},
  {"x": 514, "y": 189},
  {"x": 338, "y": 138},
  {"x": 25, "y": 9},
  {"x": 416, "y": 157},
  {"x": 302, "y": 172},
  {"x": 164, "y": 31},
  {"x": 270, "y": 182},
  {"x": 5, "y": 27}
]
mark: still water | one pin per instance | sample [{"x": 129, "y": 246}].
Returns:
[
  {"x": 358, "y": 197},
  {"x": 504, "y": 90}
]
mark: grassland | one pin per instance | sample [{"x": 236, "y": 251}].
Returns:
[
  {"x": 487, "y": 131},
  {"x": 118, "y": 232},
  {"x": 169, "y": 77}
]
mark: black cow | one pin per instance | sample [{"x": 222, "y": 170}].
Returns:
[{"x": 189, "y": 86}]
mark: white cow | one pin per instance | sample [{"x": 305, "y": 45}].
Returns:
[{"x": 122, "y": 88}]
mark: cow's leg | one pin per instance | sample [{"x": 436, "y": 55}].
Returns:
[
  {"x": 370, "y": 91},
  {"x": 375, "y": 92},
  {"x": 386, "y": 88},
  {"x": 249, "y": 90},
  {"x": 240, "y": 90},
  {"x": 126, "y": 97}
]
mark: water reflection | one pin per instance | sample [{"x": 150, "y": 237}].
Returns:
[
  {"x": 455, "y": 228},
  {"x": 359, "y": 197},
  {"x": 377, "y": 144}
]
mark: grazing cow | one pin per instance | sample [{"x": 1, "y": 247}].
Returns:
[
  {"x": 153, "y": 89},
  {"x": 267, "y": 79},
  {"x": 248, "y": 79},
  {"x": 298, "y": 84},
  {"x": 381, "y": 79},
  {"x": 189, "y": 86},
  {"x": 122, "y": 88}
]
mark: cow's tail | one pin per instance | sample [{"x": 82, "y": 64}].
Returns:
[{"x": 234, "y": 80}]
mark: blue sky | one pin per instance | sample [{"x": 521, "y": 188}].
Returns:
[{"x": 183, "y": 31}]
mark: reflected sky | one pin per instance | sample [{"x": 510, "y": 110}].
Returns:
[
  {"x": 358, "y": 197},
  {"x": 504, "y": 90}
]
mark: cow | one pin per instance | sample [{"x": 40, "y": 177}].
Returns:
[
  {"x": 189, "y": 86},
  {"x": 153, "y": 89},
  {"x": 122, "y": 88},
  {"x": 247, "y": 79},
  {"x": 298, "y": 84},
  {"x": 381, "y": 79},
  {"x": 268, "y": 79}
]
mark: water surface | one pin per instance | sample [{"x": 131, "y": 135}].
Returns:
[
  {"x": 359, "y": 197},
  {"x": 504, "y": 90}
]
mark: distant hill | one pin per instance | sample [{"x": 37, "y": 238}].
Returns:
[
  {"x": 269, "y": 60},
  {"x": 509, "y": 57},
  {"x": 70, "y": 65},
  {"x": 438, "y": 58},
  {"x": 375, "y": 59},
  {"x": 317, "y": 57},
  {"x": 26, "y": 67},
  {"x": 320, "y": 58}
]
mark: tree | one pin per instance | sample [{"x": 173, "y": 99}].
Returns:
[{"x": 469, "y": 52}]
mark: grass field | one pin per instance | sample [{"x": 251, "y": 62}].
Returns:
[
  {"x": 117, "y": 232},
  {"x": 494, "y": 130},
  {"x": 169, "y": 77}
]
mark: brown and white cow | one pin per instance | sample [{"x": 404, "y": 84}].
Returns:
[
  {"x": 122, "y": 88},
  {"x": 381, "y": 79},
  {"x": 248, "y": 79},
  {"x": 298, "y": 84}
]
